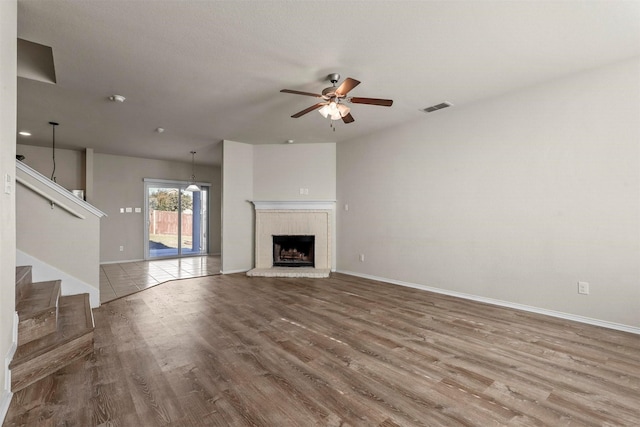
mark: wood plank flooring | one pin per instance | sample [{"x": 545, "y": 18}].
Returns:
[{"x": 344, "y": 351}]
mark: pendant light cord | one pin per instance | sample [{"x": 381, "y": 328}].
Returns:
[
  {"x": 193, "y": 175},
  {"x": 53, "y": 151}
]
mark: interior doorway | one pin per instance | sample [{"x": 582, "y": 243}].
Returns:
[{"x": 177, "y": 220}]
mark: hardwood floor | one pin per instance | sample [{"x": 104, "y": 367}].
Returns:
[{"x": 238, "y": 351}]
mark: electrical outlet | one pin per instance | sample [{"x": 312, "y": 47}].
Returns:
[
  {"x": 361, "y": 257},
  {"x": 121, "y": 248},
  {"x": 583, "y": 288}
]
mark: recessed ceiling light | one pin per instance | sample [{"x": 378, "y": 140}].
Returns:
[{"x": 24, "y": 133}]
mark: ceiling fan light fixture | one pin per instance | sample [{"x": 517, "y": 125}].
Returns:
[
  {"x": 324, "y": 111},
  {"x": 343, "y": 109},
  {"x": 334, "y": 110}
]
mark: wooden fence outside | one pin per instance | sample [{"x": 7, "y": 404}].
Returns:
[{"x": 166, "y": 222}]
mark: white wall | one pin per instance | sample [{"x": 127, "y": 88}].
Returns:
[
  {"x": 69, "y": 164},
  {"x": 268, "y": 173},
  {"x": 280, "y": 171},
  {"x": 53, "y": 236},
  {"x": 237, "y": 210},
  {"x": 514, "y": 199},
  {"x": 8, "y": 109},
  {"x": 118, "y": 183}
]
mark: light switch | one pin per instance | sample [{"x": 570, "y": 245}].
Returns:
[
  {"x": 128, "y": 210},
  {"x": 138, "y": 210},
  {"x": 583, "y": 288},
  {"x": 7, "y": 184},
  {"x": 121, "y": 210}
]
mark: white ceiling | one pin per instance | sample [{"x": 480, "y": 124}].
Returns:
[{"x": 212, "y": 70}]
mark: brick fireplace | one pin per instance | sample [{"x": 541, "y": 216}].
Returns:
[{"x": 293, "y": 218}]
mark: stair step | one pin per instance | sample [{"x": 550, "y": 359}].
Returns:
[
  {"x": 37, "y": 310},
  {"x": 23, "y": 276},
  {"x": 72, "y": 340}
]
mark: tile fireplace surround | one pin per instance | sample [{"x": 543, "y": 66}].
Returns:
[{"x": 290, "y": 218}]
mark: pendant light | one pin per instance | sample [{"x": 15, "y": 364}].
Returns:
[{"x": 193, "y": 186}]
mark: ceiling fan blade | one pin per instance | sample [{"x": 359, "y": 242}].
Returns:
[
  {"x": 372, "y": 101},
  {"x": 348, "y": 118},
  {"x": 297, "y": 92},
  {"x": 347, "y": 85},
  {"x": 308, "y": 110}
]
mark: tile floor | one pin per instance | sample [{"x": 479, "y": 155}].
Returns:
[{"x": 118, "y": 280}]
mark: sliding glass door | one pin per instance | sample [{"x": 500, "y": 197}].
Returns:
[{"x": 176, "y": 220}]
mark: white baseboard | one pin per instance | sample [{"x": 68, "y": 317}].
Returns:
[
  {"x": 122, "y": 261},
  {"x": 242, "y": 270},
  {"x": 528, "y": 308},
  {"x": 5, "y": 399}
]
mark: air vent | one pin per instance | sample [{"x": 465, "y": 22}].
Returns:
[{"x": 437, "y": 107}]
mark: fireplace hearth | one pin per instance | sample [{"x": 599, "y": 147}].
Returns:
[{"x": 293, "y": 251}]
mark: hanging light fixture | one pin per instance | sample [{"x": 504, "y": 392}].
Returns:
[{"x": 193, "y": 186}]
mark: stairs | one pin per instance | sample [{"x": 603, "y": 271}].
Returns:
[{"x": 53, "y": 330}]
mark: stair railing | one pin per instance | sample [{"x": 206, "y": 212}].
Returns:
[{"x": 58, "y": 196}]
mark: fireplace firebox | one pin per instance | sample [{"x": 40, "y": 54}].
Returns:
[{"x": 293, "y": 251}]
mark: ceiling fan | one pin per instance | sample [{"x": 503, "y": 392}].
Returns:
[{"x": 334, "y": 97}]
